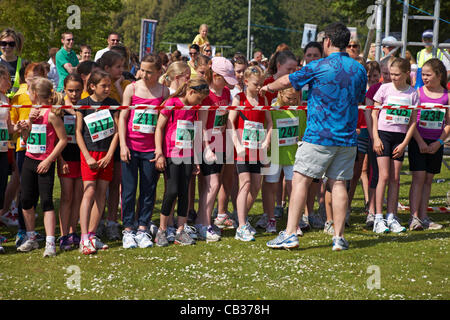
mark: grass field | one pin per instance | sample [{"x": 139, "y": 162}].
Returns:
[{"x": 414, "y": 265}]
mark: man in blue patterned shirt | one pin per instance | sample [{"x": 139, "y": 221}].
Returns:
[{"x": 337, "y": 84}]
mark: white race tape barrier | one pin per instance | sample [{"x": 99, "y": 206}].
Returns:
[{"x": 259, "y": 108}]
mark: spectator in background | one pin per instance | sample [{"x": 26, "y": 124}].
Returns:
[
  {"x": 414, "y": 67},
  {"x": 387, "y": 49},
  {"x": 164, "y": 60},
  {"x": 258, "y": 57},
  {"x": 207, "y": 50},
  {"x": 113, "y": 39},
  {"x": 125, "y": 53},
  {"x": 66, "y": 59},
  {"x": 176, "y": 56},
  {"x": 202, "y": 38},
  {"x": 194, "y": 51},
  {"x": 11, "y": 44},
  {"x": 53, "y": 73},
  {"x": 353, "y": 48},
  {"x": 426, "y": 54},
  {"x": 85, "y": 53}
]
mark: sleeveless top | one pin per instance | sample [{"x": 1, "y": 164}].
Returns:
[
  {"x": 430, "y": 123},
  {"x": 141, "y": 124},
  {"x": 249, "y": 124},
  {"x": 41, "y": 140},
  {"x": 71, "y": 152}
]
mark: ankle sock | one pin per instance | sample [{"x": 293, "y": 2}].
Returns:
[
  {"x": 50, "y": 239},
  {"x": 379, "y": 216},
  {"x": 31, "y": 235},
  {"x": 84, "y": 236}
]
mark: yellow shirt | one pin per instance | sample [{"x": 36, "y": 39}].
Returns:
[
  {"x": 20, "y": 113},
  {"x": 114, "y": 94},
  {"x": 199, "y": 40},
  {"x": 85, "y": 94}
]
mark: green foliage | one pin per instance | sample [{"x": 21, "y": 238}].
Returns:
[{"x": 42, "y": 22}]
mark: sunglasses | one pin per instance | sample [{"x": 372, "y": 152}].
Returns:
[
  {"x": 207, "y": 50},
  {"x": 353, "y": 46},
  {"x": 69, "y": 40},
  {"x": 115, "y": 40},
  {"x": 201, "y": 87},
  {"x": 11, "y": 44}
]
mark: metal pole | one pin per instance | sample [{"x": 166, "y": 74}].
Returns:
[
  {"x": 248, "y": 29},
  {"x": 387, "y": 27},
  {"x": 405, "y": 27},
  {"x": 437, "y": 7},
  {"x": 379, "y": 18}
]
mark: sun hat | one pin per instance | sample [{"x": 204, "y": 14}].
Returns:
[
  {"x": 224, "y": 67},
  {"x": 389, "y": 39}
]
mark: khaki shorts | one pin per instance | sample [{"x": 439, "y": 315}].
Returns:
[{"x": 315, "y": 161}]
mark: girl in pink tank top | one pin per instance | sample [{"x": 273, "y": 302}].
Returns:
[
  {"x": 137, "y": 147},
  {"x": 38, "y": 170},
  {"x": 426, "y": 149}
]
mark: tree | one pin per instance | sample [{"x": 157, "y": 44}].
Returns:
[{"x": 42, "y": 22}]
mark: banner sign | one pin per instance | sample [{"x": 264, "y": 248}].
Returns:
[{"x": 148, "y": 28}]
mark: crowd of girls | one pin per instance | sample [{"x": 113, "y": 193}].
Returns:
[{"x": 102, "y": 155}]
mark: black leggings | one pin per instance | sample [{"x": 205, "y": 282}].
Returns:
[
  {"x": 177, "y": 177},
  {"x": 36, "y": 185},
  {"x": 3, "y": 176}
]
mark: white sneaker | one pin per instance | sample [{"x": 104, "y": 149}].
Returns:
[
  {"x": 50, "y": 249},
  {"x": 143, "y": 239},
  {"x": 329, "y": 228},
  {"x": 395, "y": 226},
  {"x": 28, "y": 245},
  {"x": 128, "y": 240},
  {"x": 152, "y": 229},
  {"x": 379, "y": 226},
  {"x": 271, "y": 226},
  {"x": 243, "y": 233},
  {"x": 299, "y": 231},
  {"x": 87, "y": 247},
  {"x": 262, "y": 222},
  {"x": 431, "y": 225},
  {"x": 250, "y": 228},
  {"x": 207, "y": 233},
  {"x": 98, "y": 244}
]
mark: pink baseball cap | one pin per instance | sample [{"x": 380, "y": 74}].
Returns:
[{"x": 225, "y": 68}]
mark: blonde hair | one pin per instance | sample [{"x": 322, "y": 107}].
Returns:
[
  {"x": 175, "y": 69},
  {"x": 281, "y": 93},
  {"x": 182, "y": 90},
  {"x": 18, "y": 38},
  {"x": 43, "y": 88},
  {"x": 253, "y": 71},
  {"x": 203, "y": 25}
]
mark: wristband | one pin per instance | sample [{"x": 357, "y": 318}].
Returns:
[{"x": 440, "y": 141}]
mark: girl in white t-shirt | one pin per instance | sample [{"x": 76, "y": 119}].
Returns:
[{"x": 392, "y": 131}]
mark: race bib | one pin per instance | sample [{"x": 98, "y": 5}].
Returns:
[
  {"x": 398, "y": 116},
  {"x": 184, "y": 134},
  {"x": 287, "y": 131},
  {"x": 431, "y": 119},
  {"x": 100, "y": 125},
  {"x": 220, "y": 121},
  {"x": 4, "y": 136},
  {"x": 305, "y": 91},
  {"x": 37, "y": 141},
  {"x": 144, "y": 121},
  {"x": 69, "y": 124},
  {"x": 253, "y": 134}
]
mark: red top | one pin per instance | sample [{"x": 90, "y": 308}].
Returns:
[
  {"x": 251, "y": 116},
  {"x": 270, "y": 96}
]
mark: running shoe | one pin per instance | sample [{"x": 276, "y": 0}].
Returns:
[
  {"x": 250, "y": 228},
  {"x": 87, "y": 247},
  {"x": 28, "y": 245},
  {"x": 271, "y": 226},
  {"x": 161, "y": 238},
  {"x": 171, "y": 233},
  {"x": 223, "y": 221},
  {"x": 278, "y": 212},
  {"x": 98, "y": 244},
  {"x": 395, "y": 226},
  {"x": 379, "y": 226},
  {"x": 428, "y": 224},
  {"x": 191, "y": 231},
  {"x": 299, "y": 231},
  {"x": 64, "y": 243},
  {"x": 21, "y": 237},
  {"x": 370, "y": 219},
  {"x": 415, "y": 224},
  {"x": 262, "y": 222},
  {"x": 50, "y": 249},
  {"x": 39, "y": 237},
  {"x": 304, "y": 223},
  {"x": 183, "y": 238},
  {"x": 143, "y": 239},
  {"x": 129, "y": 240},
  {"x": 339, "y": 243},
  {"x": 284, "y": 240},
  {"x": 244, "y": 234},
  {"x": 152, "y": 229},
  {"x": 10, "y": 220},
  {"x": 2, "y": 250},
  {"x": 208, "y": 233},
  {"x": 329, "y": 228},
  {"x": 74, "y": 239}
]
